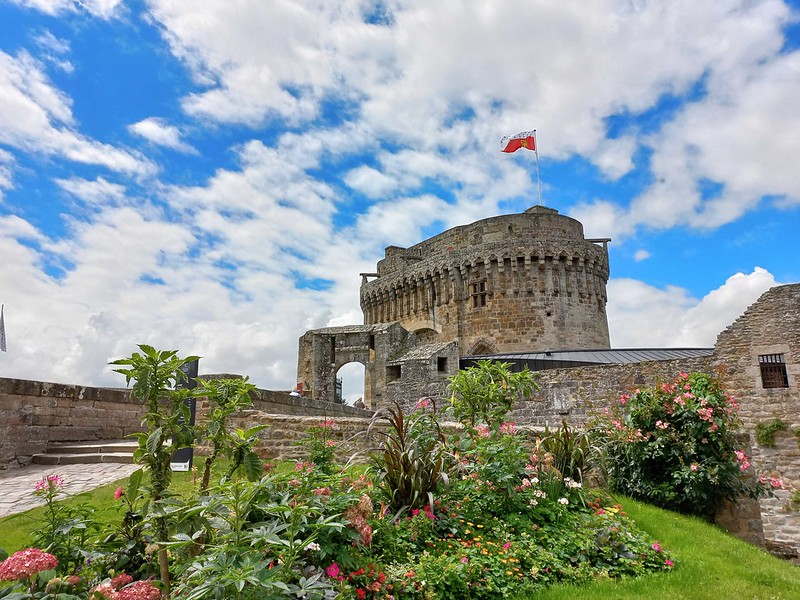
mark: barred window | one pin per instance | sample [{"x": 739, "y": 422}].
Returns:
[
  {"x": 478, "y": 294},
  {"x": 773, "y": 371}
]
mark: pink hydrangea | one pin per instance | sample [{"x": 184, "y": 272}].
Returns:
[
  {"x": 141, "y": 590},
  {"x": 26, "y": 563},
  {"x": 104, "y": 590},
  {"x": 121, "y": 580}
]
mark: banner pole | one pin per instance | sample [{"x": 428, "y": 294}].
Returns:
[{"x": 538, "y": 178}]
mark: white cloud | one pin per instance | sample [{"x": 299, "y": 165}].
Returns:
[
  {"x": 641, "y": 315},
  {"x": 158, "y": 132},
  {"x": 105, "y": 9},
  {"x": 37, "y": 117},
  {"x": 98, "y": 192},
  {"x": 641, "y": 255}
]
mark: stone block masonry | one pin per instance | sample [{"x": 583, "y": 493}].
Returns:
[{"x": 34, "y": 414}]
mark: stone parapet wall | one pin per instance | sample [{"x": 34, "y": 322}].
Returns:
[
  {"x": 576, "y": 393},
  {"x": 34, "y": 414},
  {"x": 283, "y": 438}
]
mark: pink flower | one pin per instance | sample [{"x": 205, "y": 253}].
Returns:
[
  {"x": 104, "y": 590},
  {"x": 669, "y": 563},
  {"x": 333, "y": 570},
  {"x": 323, "y": 491},
  {"x": 694, "y": 467},
  {"x": 776, "y": 483},
  {"x": 119, "y": 493},
  {"x": 121, "y": 580},
  {"x": 328, "y": 424},
  {"x": 141, "y": 590},
  {"x": 483, "y": 430},
  {"x": 51, "y": 483},
  {"x": 330, "y": 443},
  {"x": 423, "y": 403},
  {"x": 662, "y": 424},
  {"x": 507, "y": 545},
  {"x": 657, "y": 547},
  {"x": 623, "y": 399},
  {"x": 509, "y": 428},
  {"x": 27, "y": 562},
  {"x": 464, "y": 559}
]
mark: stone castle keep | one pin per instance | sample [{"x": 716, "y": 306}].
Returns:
[
  {"x": 503, "y": 284},
  {"x": 520, "y": 282}
]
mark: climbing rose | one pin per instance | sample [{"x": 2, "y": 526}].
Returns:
[{"x": 25, "y": 563}]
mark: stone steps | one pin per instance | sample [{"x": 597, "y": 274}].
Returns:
[{"x": 71, "y": 453}]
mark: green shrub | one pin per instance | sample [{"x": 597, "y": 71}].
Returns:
[
  {"x": 674, "y": 446},
  {"x": 485, "y": 393},
  {"x": 765, "y": 432}
]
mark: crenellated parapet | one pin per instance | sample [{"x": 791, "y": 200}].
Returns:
[{"x": 506, "y": 283}]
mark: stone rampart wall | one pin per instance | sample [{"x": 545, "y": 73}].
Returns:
[{"x": 34, "y": 414}]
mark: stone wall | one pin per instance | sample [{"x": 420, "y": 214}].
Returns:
[
  {"x": 574, "y": 394},
  {"x": 771, "y": 326},
  {"x": 283, "y": 438},
  {"x": 504, "y": 284},
  {"x": 35, "y": 413}
]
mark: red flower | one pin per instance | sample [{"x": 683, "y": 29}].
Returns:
[
  {"x": 25, "y": 563},
  {"x": 361, "y": 593}
]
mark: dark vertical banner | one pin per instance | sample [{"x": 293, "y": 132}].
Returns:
[{"x": 182, "y": 459}]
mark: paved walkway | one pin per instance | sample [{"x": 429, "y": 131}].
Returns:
[{"x": 17, "y": 485}]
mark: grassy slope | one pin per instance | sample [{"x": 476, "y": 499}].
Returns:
[{"x": 709, "y": 565}]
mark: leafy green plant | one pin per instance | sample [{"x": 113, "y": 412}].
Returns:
[
  {"x": 765, "y": 432},
  {"x": 65, "y": 529},
  {"x": 675, "y": 446},
  {"x": 485, "y": 393},
  {"x": 570, "y": 449},
  {"x": 319, "y": 445},
  {"x": 410, "y": 465},
  {"x": 226, "y": 396},
  {"x": 155, "y": 375}
]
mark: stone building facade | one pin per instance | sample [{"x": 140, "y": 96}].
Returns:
[
  {"x": 507, "y": 283},
  {"x": 758, "y": 359}
]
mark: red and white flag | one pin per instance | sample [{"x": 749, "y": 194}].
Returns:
[{"x": 512, "y": 143}]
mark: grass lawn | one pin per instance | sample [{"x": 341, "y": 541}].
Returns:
[{"x": 709, "y": 564}]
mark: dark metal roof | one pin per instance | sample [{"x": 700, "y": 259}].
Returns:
[{"x": 562, "y": 359}]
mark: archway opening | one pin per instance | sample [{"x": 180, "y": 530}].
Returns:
[{"x": 352, "y": 377}]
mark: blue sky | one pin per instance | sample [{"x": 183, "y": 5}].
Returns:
[{"x": 211, "y": 176}]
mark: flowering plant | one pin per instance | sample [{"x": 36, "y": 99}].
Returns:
[
  {"x": 674, "y": 445},
  {"x": 319, "y": 445}
]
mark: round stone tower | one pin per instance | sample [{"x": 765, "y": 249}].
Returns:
[{"x": 522, "y": 282}]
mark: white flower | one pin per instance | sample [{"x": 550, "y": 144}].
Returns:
[
  {"x": 313, "y": 546},
  {"x": 563, "y": 501},
  {"x": 533, "y": 502}
]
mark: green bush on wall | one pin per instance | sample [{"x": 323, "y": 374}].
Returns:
[{"x": 765, "y": 432}]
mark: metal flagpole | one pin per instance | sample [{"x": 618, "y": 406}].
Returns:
[{"x": 538, "y": 178}]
